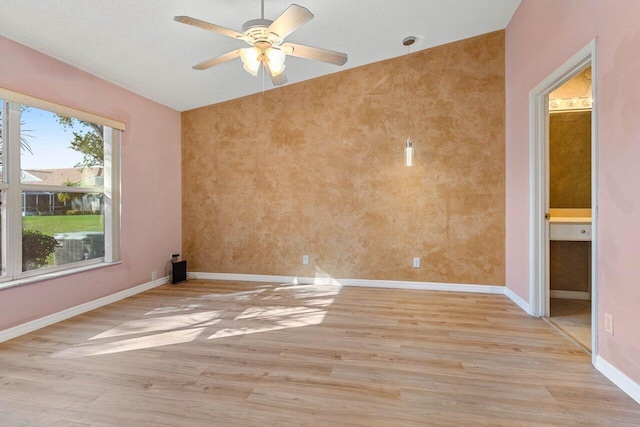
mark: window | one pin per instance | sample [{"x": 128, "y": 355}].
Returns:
[{"x": 59, "y": 188}]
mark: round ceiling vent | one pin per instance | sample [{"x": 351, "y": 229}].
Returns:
[{"x": 408, "y": 41}]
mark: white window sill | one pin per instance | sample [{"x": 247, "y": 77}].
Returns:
[{"x": 54, "y": 275}]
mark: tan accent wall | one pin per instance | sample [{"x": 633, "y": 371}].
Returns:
[{"x": 317, "y": 168}]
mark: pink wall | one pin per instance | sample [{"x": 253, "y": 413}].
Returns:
[
  {"x": 542, "y": 35},
  {"x": 151, "y": 212}
]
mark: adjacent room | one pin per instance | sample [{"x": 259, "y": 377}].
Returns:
[{"x": 324, "y": 213}]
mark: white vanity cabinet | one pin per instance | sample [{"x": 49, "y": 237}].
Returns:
[
  {"x": 570, "y": 231},
  {"x": 570, "y": 224}
]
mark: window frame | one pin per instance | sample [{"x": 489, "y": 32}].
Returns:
[{"x": 11, "y": 190}]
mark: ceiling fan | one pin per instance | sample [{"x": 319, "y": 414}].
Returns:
[{"x": 266, "y": 39}]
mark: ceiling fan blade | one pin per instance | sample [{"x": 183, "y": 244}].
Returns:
[
  {"x": 219, "y": 60},
  {"x": 316, "y": 53},
  {"x": 211, "y": 27},
  {"x": 278, "y": 80},
  {"x": 289, "y": 21}
]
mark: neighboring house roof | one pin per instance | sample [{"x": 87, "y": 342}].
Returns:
[{"x": 84, "y": 177}]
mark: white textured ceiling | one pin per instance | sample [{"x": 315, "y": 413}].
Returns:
[{"x": 136, "y": 44}]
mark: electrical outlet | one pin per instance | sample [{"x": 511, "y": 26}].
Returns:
[
  {"x": 608, "y": 323},
  {"x": 305, "y": 259},
  {"x": 153, "y": 275},
  {"x": 416, "y": 263}
]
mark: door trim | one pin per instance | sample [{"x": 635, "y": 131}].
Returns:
[{"x": 539, "y": 180}]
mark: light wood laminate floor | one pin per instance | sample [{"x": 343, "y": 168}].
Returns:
[{"x": 209, "y": 353}]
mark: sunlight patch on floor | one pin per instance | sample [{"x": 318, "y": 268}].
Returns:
[
  {"x": 271, "y": 307},
  {"x": 167, "y": 323},
  {"x": 169, "y": 310},
  {"x": 150, "y": 341}
]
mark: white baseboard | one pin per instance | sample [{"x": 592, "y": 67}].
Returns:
[
  {"x": 394, "y": 284},
  {"x": 244, "y": 277},
  {"x": 570, "y": 295},
  {"x": 518, "y": 300},
  {"x": 42, "y": 322},
  {"x": 623, "y": 382},
  {"x": 424, "y": 286}
]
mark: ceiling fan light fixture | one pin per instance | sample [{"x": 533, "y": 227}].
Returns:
[
  {"x": 276, "y": 59},
  {"x": 251, "y": 59},
  {"x": 265, "y": 38}
]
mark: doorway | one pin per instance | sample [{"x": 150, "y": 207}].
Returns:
[
  {"x": 567, "y": 224},
  {"x": 569, "y": 198}
]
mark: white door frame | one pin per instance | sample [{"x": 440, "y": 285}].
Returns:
[{"x": 539, "y": 184}]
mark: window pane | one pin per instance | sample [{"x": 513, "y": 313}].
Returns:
[
  {"x": 1, "y": 143},
  {"x": 3, "y": 270},
  {"x": 59, "y": 150},
  {"x": 61, "y": 228}
]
